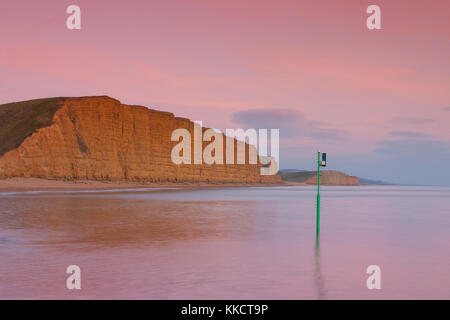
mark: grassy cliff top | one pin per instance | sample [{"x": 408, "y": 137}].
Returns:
[
  {"x": 300, "y": 176},
  {"x": 19, "y": 120}
]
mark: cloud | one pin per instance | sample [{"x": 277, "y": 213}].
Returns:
[
  {"x": 413, "y": 143},
  {"x": 446, "y": 108},
  {"x": 292, "y": 124},
  {"x": 284, "y": 119},
  {"x": 410, "y": 134},
  {"x": 325, "y": 134},
  {"x": 418, "y": 148},
  {"x": 412, "y": 120}
]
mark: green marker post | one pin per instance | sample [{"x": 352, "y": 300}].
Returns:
[{"x": 319, "y": 164}]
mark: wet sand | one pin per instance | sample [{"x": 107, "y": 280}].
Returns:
[{"x": 36, "y": 184}]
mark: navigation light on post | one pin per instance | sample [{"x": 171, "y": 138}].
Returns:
[{"x": 324, "y": 160}]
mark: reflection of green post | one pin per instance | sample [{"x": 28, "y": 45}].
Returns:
[{"x": 318, "y": 194}]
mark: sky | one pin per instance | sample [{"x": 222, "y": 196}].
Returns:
[{"x": 377, "y": 101}]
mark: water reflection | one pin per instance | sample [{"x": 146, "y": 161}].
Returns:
[
  {"x": 120, "y": 222},
  {"x": 319, "y": 280}
]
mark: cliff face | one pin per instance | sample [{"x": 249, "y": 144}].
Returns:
[
  {"x": 334, "y": 178},
  {"x": 98, "y": 138}
]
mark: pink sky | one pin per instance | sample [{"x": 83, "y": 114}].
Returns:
[{"x": 210, "y": 60}]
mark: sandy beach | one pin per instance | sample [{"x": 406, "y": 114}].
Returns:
[{"x": 36, "y": 184}]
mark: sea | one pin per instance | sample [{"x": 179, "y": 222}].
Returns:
[{"x": 227, "y": 243}]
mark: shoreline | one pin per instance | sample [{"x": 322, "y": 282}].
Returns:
[
  {"x": 19, "y": 185},
  {"x": 37, "y": 184}
]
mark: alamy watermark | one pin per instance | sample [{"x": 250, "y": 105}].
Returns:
[
  {"x": 374, "y": 280},
  {"x": 74, "y": 20},
  {"x": 73, "y": 281},
  {"x": 213, "y": 153}
]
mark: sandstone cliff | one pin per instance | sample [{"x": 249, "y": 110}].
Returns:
[
  {"x": 98, "y": 138},
  {"x": 334, "y": 178}
]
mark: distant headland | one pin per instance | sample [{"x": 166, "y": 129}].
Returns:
[{"x": 329, "y": 177}]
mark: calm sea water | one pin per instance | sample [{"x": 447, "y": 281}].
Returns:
[{"x": 242, "y": 243}]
